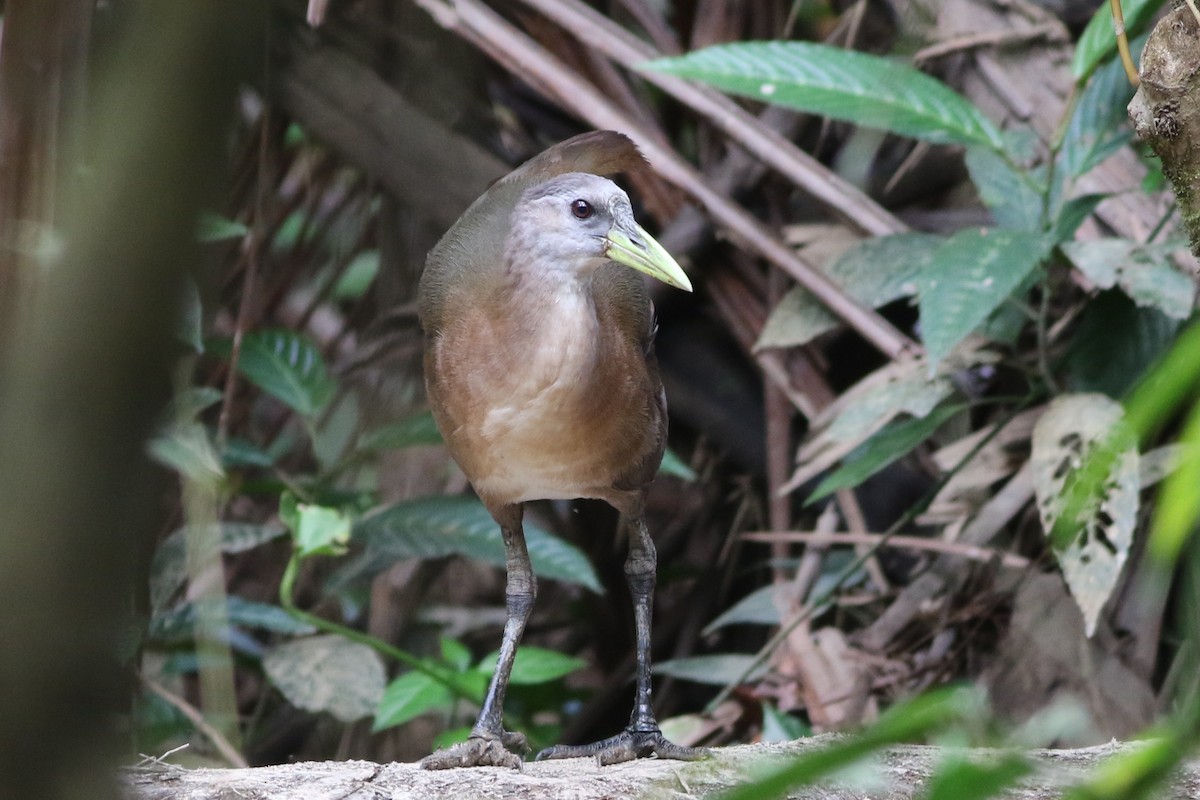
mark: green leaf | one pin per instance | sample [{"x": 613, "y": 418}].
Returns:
[
  {"x": 874, "y": 272},
  {"x": 435, "y": 527},
  {"x": 1099, "y": 41},
  {"x": 756, "y": 608},
  {"x": 216, "y": 228},
  {"x": 1073, "y": 214},
  {"x": 847, "y": 85},
  {"x": 781, "y": 727},
  {"x": 316, "y": 530},
  {"x": 1115, "y": 343},
  {"x": 717, "y": 670},
  {"x": 357, "y": 277},
  {"x": 168, "y": 568},
  {"x": 534, "y": 665},
  {"x": 241, "y": 453},
  {"x": 187, "y": 449},
  {"x": 1099, "y": 125},
  {"x": 673, "y": 465},
  {"x": 408, "y": 697},
  {"x": 1076, "y": 432},
  {"x": 1144, "y": 272},
  {"x": 882, "y": 449},
  {"x": 900, "y": 724},
  {"x": 418, "y": 429},
  {"x": 956, "y": 778},
  {"x": 1012, "y": 195},
  {"x": 455, "y": 653},
  {"x": 328, "y": 673},
  {"x": 178, "y": 624},
  {"x": 189, "y": 324},
  {"x": 286, "y": 366},
  {"x": 968, "y": 278}
]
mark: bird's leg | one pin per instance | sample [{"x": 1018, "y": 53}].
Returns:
[
  {"x": 489, "y": 744},
  {"x": 642, "y": 737}
]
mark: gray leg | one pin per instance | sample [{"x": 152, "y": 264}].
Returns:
[
  {"x": 642, "y": 737},
  {"x": 490, "y": 744}
]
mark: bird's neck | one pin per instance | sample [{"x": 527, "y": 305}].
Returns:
[{"x": 553, "y": 313}]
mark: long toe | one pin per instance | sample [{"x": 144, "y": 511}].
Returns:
[
  {"x": 626, "y": 746},
  {"x": 480, "y": 751}
]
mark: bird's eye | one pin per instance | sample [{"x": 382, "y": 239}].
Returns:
[{"x": 582, "y": 209}]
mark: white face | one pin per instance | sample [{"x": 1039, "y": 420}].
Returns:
[{"x": 563, "y": 224}]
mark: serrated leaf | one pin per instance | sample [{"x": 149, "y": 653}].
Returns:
[
  {"x": 874, "y": 272},
  {"x": 756, "y": 608},
  {"x": 212, "y": 227},
  {"x": 1073, "y": 430},
  {"x": 717, "y": 670},
  {"x": 418, "y": 429},
  {"x": 178, "y": 624},
  {"x": 856, "y": 87},
  {"x": 968, "y": 278},
  {"x": 1143, "y": 272},
  {"x": 285, "y": 365},
  {"x": 328, "y": 673},
  {"x": 882, "y": 449},
  {"x": 408, "y": 697},
  {"x": 534, "y": 665},
  {"x": 435, "y": 527},
  {"x": 1099, "y": 40},
  {"x": 168, "y": 568},
  {"x": 1013, "y": 196},
  {"x": 1099, "y": 125}
]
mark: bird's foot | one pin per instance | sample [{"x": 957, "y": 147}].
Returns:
[
  {"x": 626, "y": 746},
  {"x": 506, "y": 749}
]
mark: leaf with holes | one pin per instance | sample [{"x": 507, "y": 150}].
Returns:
[
  {"x": 968, "y": 278},
  {"x": 435, "y": 527},
  {"x": 844, "y": 84},
  {"x": 328, "y": 673},
  {"x": 285, "y": 365},
  {"x": 874, "y": 272},
  {"x": 1075, "y": 429}
]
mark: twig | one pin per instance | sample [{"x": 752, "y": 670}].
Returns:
[
  {"x": 609, "y": 38},
  {"x": 966, "y": 551},
  {"x": 1118, "y": 17},
  {"x": 1051, "y": 31},
  {"x": 522, "y": 56},
  {"x": 227, "y": 750}
]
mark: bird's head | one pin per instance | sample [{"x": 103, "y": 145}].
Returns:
[{"x": 577, "y": 221}]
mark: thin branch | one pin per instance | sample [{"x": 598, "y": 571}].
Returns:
[
  {"x": 966, "y": 551},
  {"x": 227, "y": 750}
]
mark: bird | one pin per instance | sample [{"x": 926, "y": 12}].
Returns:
[{"x": 541, "y": 374}]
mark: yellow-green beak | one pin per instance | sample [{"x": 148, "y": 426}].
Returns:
[{"x": 646, "y": 255}]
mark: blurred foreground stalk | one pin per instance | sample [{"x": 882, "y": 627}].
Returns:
[{"x": 84, "y": 374}]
